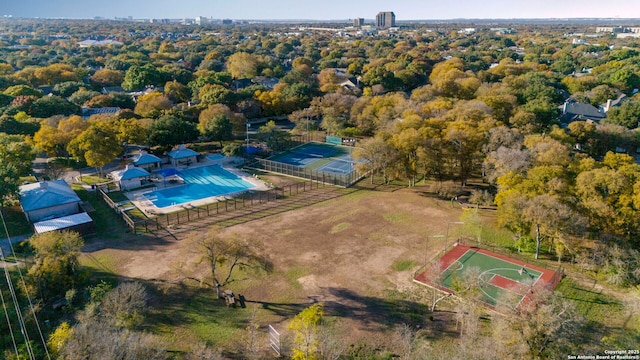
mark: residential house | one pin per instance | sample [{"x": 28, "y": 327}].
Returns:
[
  {"x": 88, "y": 112},
  {"x": 611, "y": 103},
  {"x": 577, "y": 111},
  {"x": 48, "y": 200},
  {"x": 130, "y": 177},
  {"x": 268, "y": 82},
  {"x": 147, "y": 161},
  {"x": 112, "y": 89},
  {"x": 182, "y": 156}
]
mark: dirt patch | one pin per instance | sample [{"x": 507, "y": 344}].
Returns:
[{"x": 340, "y": 252}]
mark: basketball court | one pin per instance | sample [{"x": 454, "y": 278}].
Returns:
[{"x": 500, "y": 279}]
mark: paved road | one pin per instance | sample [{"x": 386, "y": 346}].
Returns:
[{"x": 4, "y": 243}]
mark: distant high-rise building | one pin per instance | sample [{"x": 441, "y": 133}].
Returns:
[
  {"x": 385, "y": 20},
  {"x": 227, "y": 21},
  {"x": 358, "y": 22},
  {"x": 201, "y": 20}
]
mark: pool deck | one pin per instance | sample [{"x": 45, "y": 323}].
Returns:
[{"x": 146, "y": 206}]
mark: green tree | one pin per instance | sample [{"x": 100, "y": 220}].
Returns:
[
  {"x": 627, "y": 114},
  {"x": 48, "y": 106},
  {"x": 375, "y": 155},
  {"x": 137, "y": 77},
  {"x": 56, "y": 266},
  {"x": 275, "y": 138},
  {"x": 215, "y": 123},
  {"x": 169, "y": 131},
  {"x": 306, "y": 329}
]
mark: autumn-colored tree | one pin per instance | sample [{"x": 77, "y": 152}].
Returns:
[
  {"x": 54, "y": 140},
  {"x": 215, "y": 123},
  {"x": 98, "y": 145},
  {"x": 56, "y": 264},
  {"x": 152, "y": 105},
  {"x": 108, "y": 77},
  {"x": 306, "y": 329},
  {"x": 242, "y": 65}
]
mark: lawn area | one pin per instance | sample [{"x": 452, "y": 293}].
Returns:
[
  {"x": 106, "y": 221},
  {"x": 17, "y": 223}
]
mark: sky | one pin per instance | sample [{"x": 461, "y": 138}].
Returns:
[{"x": 322, "y": 9}]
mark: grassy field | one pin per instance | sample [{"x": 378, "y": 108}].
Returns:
[{"x": 356, "y": 253}]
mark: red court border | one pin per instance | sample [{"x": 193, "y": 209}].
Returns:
[{"x": 546, "y": 278}]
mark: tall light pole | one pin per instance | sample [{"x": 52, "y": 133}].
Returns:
[
  {"x": 426, "y": 247},
  {"x": 446, "y": 241},
  {"x": 248, "y": 126},
  {"x": 306, "y": 111}
]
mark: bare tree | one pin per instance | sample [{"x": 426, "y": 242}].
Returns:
[
  {"x": 224, "y": 254},
  {"x": 125, "y": 305},
  {"x": 98, "y": 340},
  {"x": 543, "y": 327}
]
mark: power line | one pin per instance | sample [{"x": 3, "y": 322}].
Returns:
[
  {"x": 24, "y": 284},
  {"x": 6, "y": 313}
]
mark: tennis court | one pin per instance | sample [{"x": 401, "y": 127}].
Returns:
[
  {"x": 499, "y": 278},
  {"x": 322, "y": 157}
]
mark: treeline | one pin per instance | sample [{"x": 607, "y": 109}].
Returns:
[{"x": 433, "y": 104}]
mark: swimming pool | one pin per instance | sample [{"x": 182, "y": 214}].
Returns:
[{"x": 200, "y": 183}]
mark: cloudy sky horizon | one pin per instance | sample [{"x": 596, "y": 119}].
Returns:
[{"x": 322, "y": 10}]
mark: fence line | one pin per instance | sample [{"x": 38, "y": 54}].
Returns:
[
  {"x": 245, "y": 200},
  {"x": 343, "y": 180},
  {"x": 558, "y": 272}
]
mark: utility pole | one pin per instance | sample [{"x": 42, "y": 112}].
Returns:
[{"x": 447, "y": 238}]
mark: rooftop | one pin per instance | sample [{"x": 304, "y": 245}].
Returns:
[{"x": 46, "y": 194}]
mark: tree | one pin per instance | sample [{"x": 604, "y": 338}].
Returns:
[
  {"x": 97, "y": 340},
  {"x": 242, "y": 65},
  {"x": 9, "y": 182},
  {"x": 59, "y": 338},
  {"x": 211, "y": 94},
  {"x": 98, "y": 145},
  {"x": 137, "y": 77},
  {"x": 169, "y": 131},
  {"x": 54, "y": 139},
  {"x": 67, "y": 88},
  {"x": 275, "y": 138},
  {"x": 107, "y": 77},
  {"x": 224, "y": 254},
  {"x": 125, "y": 305},
  {"x": 152, "y": 105},
  {"x": 15, "y": 150},
  {"x": 541, "y": 330},
  {"x": 627, "y": 114},
  {"x": 306, "y": 330},
  {"x": 215, "y": 123},
  {"x": 56, "y": 264},
  {"x": 48, "y": 106},
  {"x": 177, "y": 92},
  {"x": 375, "y": 155}
]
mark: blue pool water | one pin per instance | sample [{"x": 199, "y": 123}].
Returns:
[{"x": 200, "y": 183}]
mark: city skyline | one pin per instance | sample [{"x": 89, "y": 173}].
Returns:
[{"x": 405, "y": 10}]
